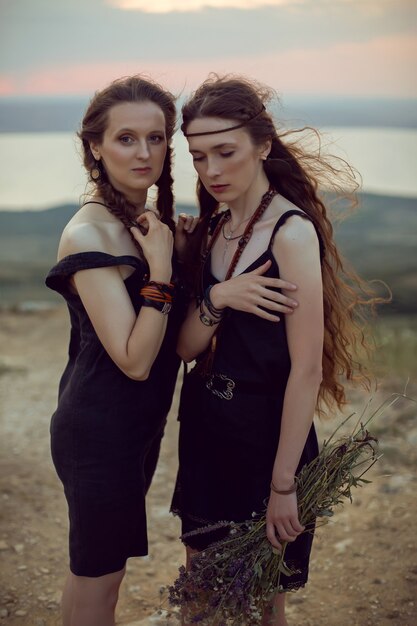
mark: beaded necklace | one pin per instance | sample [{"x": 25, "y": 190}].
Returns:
[{"x": 206, "y": 362}]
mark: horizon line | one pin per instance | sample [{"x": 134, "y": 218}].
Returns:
[
  {"x": 70, "y": 203},
  {"x": 296, "y": 95}
]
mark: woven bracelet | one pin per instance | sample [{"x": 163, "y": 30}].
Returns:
[
  {"x": 162, "y": 307},
  {"x": 162, "y": 288}
]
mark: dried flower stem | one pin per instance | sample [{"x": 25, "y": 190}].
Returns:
[{"x": 234, "y": 580}]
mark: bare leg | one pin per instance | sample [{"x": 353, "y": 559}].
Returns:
[
  {"x": 91, "y": 601},
  {"x": 66, "y": 602},
  {"x": 189, "y": 552},
  {"x": 275, "y": 616}
]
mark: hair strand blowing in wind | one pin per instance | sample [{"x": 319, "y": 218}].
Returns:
[{"x": 301, "y": 176}]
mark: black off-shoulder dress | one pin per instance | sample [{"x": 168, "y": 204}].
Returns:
[
  {"x": 230, "y": 427},
  {"x": 107, "y": 428}
]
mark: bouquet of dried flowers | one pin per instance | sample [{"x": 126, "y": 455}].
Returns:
[{"x": 233, "y": 580}]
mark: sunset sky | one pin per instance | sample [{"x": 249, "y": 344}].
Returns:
[{"x": 314, "y": 47}]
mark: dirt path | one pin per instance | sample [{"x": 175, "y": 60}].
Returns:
[{"x": 364, "y": 565}]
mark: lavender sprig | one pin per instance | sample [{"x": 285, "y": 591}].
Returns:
[{"x": 233, "y": 581}]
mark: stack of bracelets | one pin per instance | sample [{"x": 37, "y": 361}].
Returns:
[
  {"x": 215, "y": 315},
  {"x": 158, "y": 295}
]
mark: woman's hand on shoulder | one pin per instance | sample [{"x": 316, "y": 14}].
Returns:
[
  {"x": 184, "y": 229},
  {"x": 157, "y": 245},
  {"x": 251, "y": 290}
]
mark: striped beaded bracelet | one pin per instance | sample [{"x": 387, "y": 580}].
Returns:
[{"x": 158, "y": 296}]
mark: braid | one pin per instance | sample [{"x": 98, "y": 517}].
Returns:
[
  {"x": 129, "y": 89},
  {"x": 165, "y": 199},
  {"x": 117, "y": 204}
]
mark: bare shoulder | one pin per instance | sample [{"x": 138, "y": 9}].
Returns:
[
  {"x": 92, "y": 228},
  {"x": 296, "y": 226},
  {"x": 296, "y": 249},
  {"x": 80, "y": 237},
  {"x": 298, "y": 230}
]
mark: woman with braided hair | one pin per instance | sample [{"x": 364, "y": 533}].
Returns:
[
  {"x": 117, "y": 273},
  {"x": 246, "y": 410}
]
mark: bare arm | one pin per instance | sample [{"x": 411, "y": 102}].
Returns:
[
  {"x": 246, "y": 292},
  {"x": 297, "y": 251},
  {"x": 133, "y": 342}
]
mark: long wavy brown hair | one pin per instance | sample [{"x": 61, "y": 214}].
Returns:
[
  {"x": 297, "y": 173},
  {"x": 129, "y": 89}
]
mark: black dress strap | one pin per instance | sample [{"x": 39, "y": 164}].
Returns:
[
  {"x": 281, "y": 221},
  {"x": 95, "y": 202},
  {"x": 57, "y": 278}
]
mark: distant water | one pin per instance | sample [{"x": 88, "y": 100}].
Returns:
[{"x": 41, "y": 170}]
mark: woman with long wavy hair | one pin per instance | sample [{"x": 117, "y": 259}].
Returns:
[
  {"x": 117, "y": 273},
  {"x": 247, "y": 407}
]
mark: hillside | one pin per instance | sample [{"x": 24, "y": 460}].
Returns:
[{"x": 379, "y": 239}]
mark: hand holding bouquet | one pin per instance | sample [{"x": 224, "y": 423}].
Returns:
[{"x": 233, "y": 580}]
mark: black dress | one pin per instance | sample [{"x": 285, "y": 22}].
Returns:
[
  {"x": 230, "y": 426},
  {"x": 107, "y": 429}
]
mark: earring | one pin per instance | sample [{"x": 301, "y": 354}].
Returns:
[{"x": 95, "y": 172}]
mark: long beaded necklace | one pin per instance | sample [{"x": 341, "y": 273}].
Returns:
[{"x": 206, "y": 363}]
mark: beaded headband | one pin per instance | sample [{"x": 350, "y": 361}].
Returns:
[{"x": 224, "y": 130}]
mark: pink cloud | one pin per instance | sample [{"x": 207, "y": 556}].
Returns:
[
  {"x": 384, "y": 66},
  {"x": 381, "y": 67},
  {"x": 7, "y": 87}
]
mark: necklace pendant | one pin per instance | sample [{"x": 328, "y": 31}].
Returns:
[
  {"x": 244, "y": 238},
  {"x": 226, "y": 245}
]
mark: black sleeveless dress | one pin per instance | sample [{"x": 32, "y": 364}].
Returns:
[
  {"x": 107, "y": 428},
  {"x": 230, "y": 426}
]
